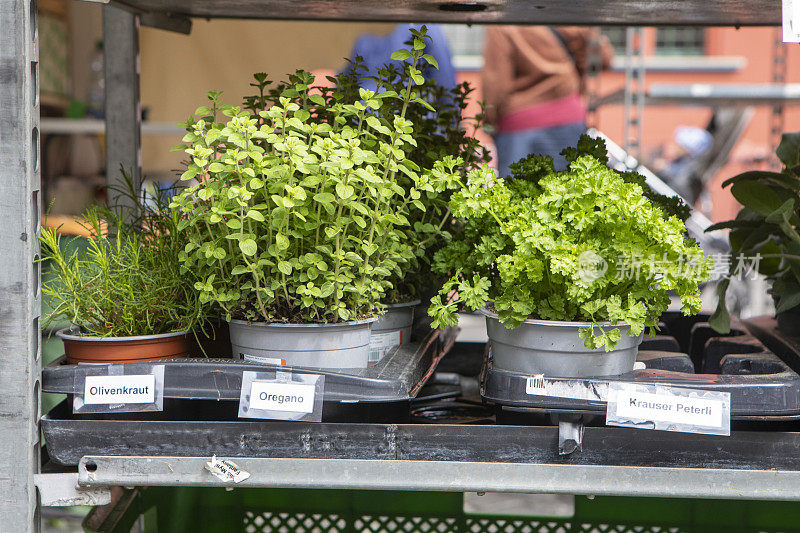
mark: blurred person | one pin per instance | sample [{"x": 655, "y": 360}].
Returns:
[
  {"x": 678, "y": 163},
  {"x": 531, "y": 82},
  {"x": 376, "y": 49}
]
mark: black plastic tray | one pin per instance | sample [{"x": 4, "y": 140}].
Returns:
[
  {"x": 396, "y": 378},
  {"x": 761, "y": 384},
  {"x": 70, "y": 437}
]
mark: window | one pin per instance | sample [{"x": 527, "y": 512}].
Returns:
[
  {"x": 617, "y": 36},
  {"x": 466, "y": 44},
  {"x": 680, "y": 41}
]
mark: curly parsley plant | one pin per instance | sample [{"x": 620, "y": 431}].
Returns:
[{"x": 582, "y": 245}]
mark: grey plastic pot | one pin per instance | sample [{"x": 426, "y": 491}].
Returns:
[
  {"x": 554, "y": 349},
  {"x": 344, "y": 345},
  {"x": 393, "y": 328}
]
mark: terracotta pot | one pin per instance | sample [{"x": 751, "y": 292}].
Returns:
[{"x": 85, "y": 349}]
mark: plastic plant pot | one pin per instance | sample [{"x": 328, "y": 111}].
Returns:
[
  {"x": 87, "y": 349},
  {"x": 392, "y": 329},
  {"x": 341, "y": 345},
  {"x": 553, "y": 348}
]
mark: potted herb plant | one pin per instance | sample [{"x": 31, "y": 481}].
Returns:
[
  {"x": 295, "y": 224},
  {"x": 440, "y": 130},
  {"x": 766, "y": 228},
  {"x": 123, "y": 291},
  {"x": 569, "y": 267}
]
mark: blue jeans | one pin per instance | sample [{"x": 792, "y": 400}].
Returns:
[{"x": 513, "y": 146}]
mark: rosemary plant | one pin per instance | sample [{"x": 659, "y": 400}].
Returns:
[{"x": 127, "y": 280}]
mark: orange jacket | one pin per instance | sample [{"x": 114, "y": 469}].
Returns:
[{"x": 528, "y": 65}]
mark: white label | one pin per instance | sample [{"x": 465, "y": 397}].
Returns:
[
  {"x": 382, "y": 343},
  {"x": 791, "y": 21},
  {"x": 289, "y": 397},
  {"x": 265, "y": 360},
  {"x": 697, "y": 411},
  {"x": 539, "y": 385},
  {"x": 669, "y": 408},
  {"x": 119, "y": 389},
  {"x": 226, "y": 470}
]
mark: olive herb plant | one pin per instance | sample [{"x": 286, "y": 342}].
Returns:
[
  {"x": 767, "y": 226},
  {"x": 127, "y": 281},
  {"x": 563, "y": 246},
  {"x": 298, "y": 217},
  {"x": 441, "y": 129}
]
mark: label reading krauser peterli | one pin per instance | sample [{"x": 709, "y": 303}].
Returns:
[
  {"x": 100, "y": 390},
  {"x": 668, "y": 408},
  {"x": 276, "y": 396}
]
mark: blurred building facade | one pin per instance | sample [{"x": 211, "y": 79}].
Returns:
[{"x": 177, "y": 70}]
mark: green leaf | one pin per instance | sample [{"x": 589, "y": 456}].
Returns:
[
  {"x": 783, "y": 213},
  {"x": 248, "y": 247},
  {"x": 775, "y": 178},
  {"x": 720, "y": 321},
  {"x": 282, "y": 241},
  {"x": 255, "y": 215},
  {"x": 769, "y": 266},
  {"x": 424, "y": 104},
  {"x": 400, "y": 55},
  {"x": 216, "y": 167},
  {"x": 376, "y": 125},
  {"x": 789, "y": 149},
  {"x": 190, "y": 173},
  {"x": 431, "y": 60},
  {"x": 324, "y": 197},
  {"x": 344, "y": 191},
  {"x": 731, "y": 224},
  {"x": 234, "y": 223},
  {"x": 285, "y": 267},
  {"x": 788, "y": 301},
  {"x": 756, "y": 196}
]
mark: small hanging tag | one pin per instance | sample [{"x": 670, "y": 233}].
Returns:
[
  {"x": 121, "y": 388},
  {"x": 668, "y": 408},
  {"x": 226, "y": 470},
  {"x": 282, "y": 395},
  {"x": 791, "y": 21}
]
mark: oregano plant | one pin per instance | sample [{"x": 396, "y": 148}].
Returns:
[
  {"x": 441, "y": 129},
  {"x": 297, "y": 215},
  {"x": 586, "y": 244}
]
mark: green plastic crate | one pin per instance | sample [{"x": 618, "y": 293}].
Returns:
[{"x": 201, "y": 510}]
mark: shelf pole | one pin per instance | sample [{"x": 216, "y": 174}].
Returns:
[
  {"x": 123, "y": 109},
  {"x": 20, "y": 365}
]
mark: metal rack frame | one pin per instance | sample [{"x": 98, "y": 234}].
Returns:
[{"x": 19, "y": 271}]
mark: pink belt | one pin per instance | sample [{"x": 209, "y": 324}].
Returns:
[{"x": 567, "y": 110}]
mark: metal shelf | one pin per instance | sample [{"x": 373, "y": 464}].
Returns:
[
  {"x": 615, "y": 462},
  {"x": 19, "y": 270},
  {"x": 591, "y": 12},
  {"x": 715, "y": 95},
  {"x": 93, "y": 126}
]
